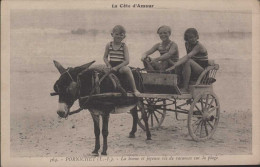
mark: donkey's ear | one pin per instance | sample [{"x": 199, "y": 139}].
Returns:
[
  {"x": 87, "y": 65},
  {"x": 59, "y": 67}
]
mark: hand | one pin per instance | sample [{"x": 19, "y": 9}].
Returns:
[
  {"x": 171, "y": 68},
  {"x": 152, "y": 61},
  {"x": 114, "y": 69},
  {"x": 143, "y": 57}
]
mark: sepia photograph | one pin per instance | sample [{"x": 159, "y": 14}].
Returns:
[{"x": 129, "y": 83}]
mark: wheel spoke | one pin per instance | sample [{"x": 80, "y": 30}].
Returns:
[
  {"x": 156, "y": 117},
  {"x": 158, "y": 111},
  {"x": 196, "y": 122},
  {"x": 210, "y": 103},
  {"x": 148, "y": 115},
  {"x": 201, "y": 129},
  {"x": 201, "y": 102},
  {"x": 212, "y": 109},
  {"x": 206, "y": 129},
  {"x": 151, "y": 120},
  {"x": 210, "y": 125},
  {"x": 197, "y": 116},
  {"x": 198, "y": 125},
  {"x": 207, "y": 99},
  {"x": 199, "y": 109}
]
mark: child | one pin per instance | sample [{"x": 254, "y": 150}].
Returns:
[
  {"x": 168, "y": 52},
  {"x": 116, "y": 56},
  {"x": 196, "y": 59}
]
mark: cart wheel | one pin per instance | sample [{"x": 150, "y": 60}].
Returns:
[
  {"x": 203, "y": 116},
  {"x": 155, "y": 109}
]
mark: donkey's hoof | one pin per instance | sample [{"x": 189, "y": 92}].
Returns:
[
  {"x": 104, "y": 153},
  {"x": 131, "y": 135},
  {"x": 149, "y": 138},
  {"x": 94, "y": 153}
]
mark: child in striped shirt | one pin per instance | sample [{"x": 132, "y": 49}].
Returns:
[{"x": 116, "y": 56}]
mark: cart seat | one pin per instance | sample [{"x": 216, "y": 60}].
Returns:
[{"x": 207, "y": 77}]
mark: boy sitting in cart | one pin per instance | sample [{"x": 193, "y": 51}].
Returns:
[{"x": 168, "y": 49}]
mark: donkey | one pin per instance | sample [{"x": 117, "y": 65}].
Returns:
[{"x": 78, "y": 82}]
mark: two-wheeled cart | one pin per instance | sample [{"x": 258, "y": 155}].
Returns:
[{"x": 161, "y": 93}]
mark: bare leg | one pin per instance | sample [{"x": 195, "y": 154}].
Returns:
[
  {"x": 97, "y": 133},
  {"x": 128, "y": 73},
  {"x": 105, "y": 119},
  {"x": 154, "y": 67},
  {"x": 148, "y": 66},
  {"x": 186, "y": 73}
]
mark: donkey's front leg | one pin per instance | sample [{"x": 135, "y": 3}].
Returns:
[
  {"x": 105, "y": 121},
  {"x": 97, "y": 133},
  {"x": 134, "y": 126}
]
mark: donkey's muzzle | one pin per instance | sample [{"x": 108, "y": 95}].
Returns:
[
  {"x": 54, "y": 93},
  {"x": 63, "y": 110}
]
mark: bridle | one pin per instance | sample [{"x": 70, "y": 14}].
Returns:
[
  {"x": 66, "y": 72},
  {"x": 58, "y": 91}
]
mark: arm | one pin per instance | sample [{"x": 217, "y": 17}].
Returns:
[
  {"x": 185, "y": 58},
  {"x": 105, "y": 58},
  {"x": 172, "y": 51},
  {"x": 125, "y": 62},
  {"x": 149, "y": 52}
]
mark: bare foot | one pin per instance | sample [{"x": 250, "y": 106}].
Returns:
[{"x": 137, "y": 93}]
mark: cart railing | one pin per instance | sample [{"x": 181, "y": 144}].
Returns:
[{"x": 207, "y": 77}]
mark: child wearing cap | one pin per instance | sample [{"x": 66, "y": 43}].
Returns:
[
  {"x": 116, "y": 56},
  {"x": 196, "y": 59},
  {"x": 168, "y": 52}
]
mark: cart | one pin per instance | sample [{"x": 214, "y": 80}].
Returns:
[{"x": 200, "y": 103}]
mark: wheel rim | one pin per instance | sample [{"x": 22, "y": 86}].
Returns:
[
  {"x": 203, "y": 116},
  {"x": 155, "y": 111}
]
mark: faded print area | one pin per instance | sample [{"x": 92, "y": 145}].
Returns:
[{"x": 40, "y": 36}]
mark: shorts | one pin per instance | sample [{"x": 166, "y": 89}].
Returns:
[{"x": 115, "y": 63}]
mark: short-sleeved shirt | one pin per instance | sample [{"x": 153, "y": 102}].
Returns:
[{"x": 201, "y": 57}]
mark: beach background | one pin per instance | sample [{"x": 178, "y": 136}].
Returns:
[{"x": 40, "y": 36}]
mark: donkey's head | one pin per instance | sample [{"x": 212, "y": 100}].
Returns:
[{"x": 67, "y": 87}]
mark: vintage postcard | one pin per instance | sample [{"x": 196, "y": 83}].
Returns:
[{"x": 130, "y": 83}]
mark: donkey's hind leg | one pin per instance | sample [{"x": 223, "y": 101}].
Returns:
[
  {"x": 134, "y": 126},
  {"x": 145, "y": 118},
  {"x": 97, "y": 133},
  {"x": 105, "y": 120}
]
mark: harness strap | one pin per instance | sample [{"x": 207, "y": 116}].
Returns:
[
  {"x": 94, "y": 89},
  {"x": 67, "y": 71},
  {"x": 118, "y": 85}
]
